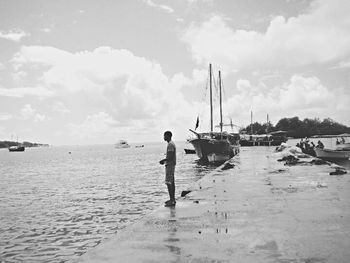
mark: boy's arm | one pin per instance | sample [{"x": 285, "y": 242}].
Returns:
[{"x": 170, "y": 155}]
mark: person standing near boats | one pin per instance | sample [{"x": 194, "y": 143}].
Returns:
[
  {"x": 170, "y": 163},
  {"x": 320, "y": 145}
]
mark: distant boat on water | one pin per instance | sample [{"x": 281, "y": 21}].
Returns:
[
  {"x": 213, "y": 146},
  {"x": 122, "y": 144},
  {"x": 16, "y": 148},
  {"x": 190, "y": 151}
]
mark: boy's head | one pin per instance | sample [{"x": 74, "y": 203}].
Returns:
[{"x": 167, "y": 136}]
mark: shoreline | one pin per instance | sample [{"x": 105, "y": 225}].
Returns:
[{"x": 259, "y": 211}]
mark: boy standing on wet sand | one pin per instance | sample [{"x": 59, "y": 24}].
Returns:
[{"x": 170, "y": 162}]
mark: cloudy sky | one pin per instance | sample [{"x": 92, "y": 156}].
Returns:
[{"x": 96, "y": 71}]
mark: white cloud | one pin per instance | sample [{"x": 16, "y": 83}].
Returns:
[
  {"x": 60, "y": 107},
  {"x": 343, "y": 64},
  {"x": 180, "y": 20},
  {"x": 43, "y": 55},
  {"x": 120, "y": 93},
  {"x": 165, "y": 8},
  {"x": 197, "y": 1},
  {"x": 17, "y": 76},
  {"x": 21, "y": 92},
  {"x": 47, "y": 30},
  {"x": 96, "y": 125},
  {"x": 39, "y": 117},
  {"x": 27, "y": 112},
  {"x": 305, "y": 94},
  {"x": 318, "y": 36},
  {"x": 130, "y": 89},
  {"x": 116, "y": 75},
  {"x": 243, "y": 85},
  {"x": 301, "y": 96},
  {"x": 5, "y": 116},
  {"x": 14, "y": 35}
]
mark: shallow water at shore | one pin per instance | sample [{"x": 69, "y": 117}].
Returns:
[{"x": 57, "y": 202}]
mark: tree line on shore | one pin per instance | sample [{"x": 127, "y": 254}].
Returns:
[
  {"x": 297, "y": 128},
  {"x": 7, "y": 144},
  {"x": 294, "y": 127}
]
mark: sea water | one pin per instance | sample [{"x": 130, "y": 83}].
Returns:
[{"x": 58, "y": 202}]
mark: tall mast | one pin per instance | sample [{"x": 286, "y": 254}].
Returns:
[
  {"x": 251, "y": 122},
  {"x": 220, "y": 101},
  {"x": 267, "y": 124},
  {"x": 211, "y": 99}
]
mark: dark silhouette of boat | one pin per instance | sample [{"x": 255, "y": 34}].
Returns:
[
  {"x": 190, "y": 151},
  {"x": 122, "y": 144},
  {"x": 16, "y": 148}
]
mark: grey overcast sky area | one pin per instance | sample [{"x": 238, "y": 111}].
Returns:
[{"x": 93, "y": 72}]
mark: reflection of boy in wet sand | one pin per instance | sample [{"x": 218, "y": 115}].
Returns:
[{"x": 170, "y": 162}]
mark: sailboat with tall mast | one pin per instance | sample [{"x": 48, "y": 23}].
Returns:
[
  {"x": 17, "y": 147},
  {"x": 269, "y": 139},
  {"x": 215, "y": 146}
]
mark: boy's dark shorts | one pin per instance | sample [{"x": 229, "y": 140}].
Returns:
[{"x": 169, "y": 174}]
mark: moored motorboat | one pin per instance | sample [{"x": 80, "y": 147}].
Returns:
[
  {"x": 16, "y": 148},
  {"x": 190, "y": 151},
  {"x": 122, "y": 144},
  {"x": 332, "y": 154}
]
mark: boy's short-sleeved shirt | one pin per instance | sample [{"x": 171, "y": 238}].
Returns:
[{"x": 171, "y": 148}]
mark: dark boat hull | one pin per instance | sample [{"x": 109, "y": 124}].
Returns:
[
  {"x": 190, "y": 151},
  {"x": 17, "y": 149},
  {"x": 206, "y": 147}
]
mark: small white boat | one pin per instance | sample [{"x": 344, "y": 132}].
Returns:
[
  {"x": 122, "y": 144},
  {"x": 332, "y": 154},
  {"x": 343, "y": 147}
]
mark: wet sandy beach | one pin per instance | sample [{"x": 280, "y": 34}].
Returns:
[{"x": 259, "y": 211}]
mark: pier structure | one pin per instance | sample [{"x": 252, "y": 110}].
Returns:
[{"x": 258, "y": 211}]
